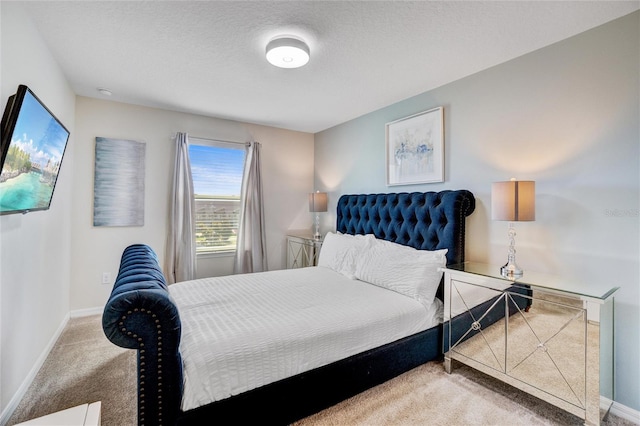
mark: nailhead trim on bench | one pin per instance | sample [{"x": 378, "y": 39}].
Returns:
[{"x": 141, "y": 350}]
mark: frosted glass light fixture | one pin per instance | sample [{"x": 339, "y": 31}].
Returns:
[
  {"x": 287, "y": 52},
  {"x": 317, "y": 204},
  {"x": 513, "y": 201}
]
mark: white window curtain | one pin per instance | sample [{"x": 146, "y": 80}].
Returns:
[
  {"x": 251, "y": 252},
  {"x": 180, "y": 260}
]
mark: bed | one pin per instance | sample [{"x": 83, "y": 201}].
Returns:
[{"x": 164, "y": 324}]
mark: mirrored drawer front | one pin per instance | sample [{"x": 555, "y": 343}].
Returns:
[
  {"x": 302, "y": 252},
  {"x": 537, "y": 341}
]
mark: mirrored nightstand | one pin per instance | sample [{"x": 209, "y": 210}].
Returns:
[
  {"x": 546, "y": 335},
  {"x": 302, "y": 249}
]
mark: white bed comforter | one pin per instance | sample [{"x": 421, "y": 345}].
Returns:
[{"x": 244, "y": 331}]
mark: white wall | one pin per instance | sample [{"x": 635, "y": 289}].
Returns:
[
  {"x": 566, "y": 116},
  {"x": 34, "y": 248},
  {"x": 287, "y": 171}
]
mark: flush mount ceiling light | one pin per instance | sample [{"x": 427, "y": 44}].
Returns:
[
  {"x": 104, "y": 91},
  {"x": 287, "y": 52}
]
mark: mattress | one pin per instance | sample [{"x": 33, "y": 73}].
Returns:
[{"x": 241, "y": 332}]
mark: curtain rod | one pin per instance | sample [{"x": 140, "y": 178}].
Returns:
[{"x": 216, "y": 140}]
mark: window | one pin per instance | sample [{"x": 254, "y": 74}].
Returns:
[{"x": 216, "y": 168}]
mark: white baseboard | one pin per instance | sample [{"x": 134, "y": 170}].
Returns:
[
  {"x": 7, "y": 412},
  {"x": 620, "y": 410}
]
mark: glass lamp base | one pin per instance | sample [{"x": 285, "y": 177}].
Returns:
[
  {"x": 317, "y": 235},
  {"x": 511, "y": 270}
]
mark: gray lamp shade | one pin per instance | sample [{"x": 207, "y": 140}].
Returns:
[
  {"x": 513, "y": 200},
  {"x": 318, "y": 201}
]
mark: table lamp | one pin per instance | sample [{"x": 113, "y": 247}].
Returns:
[
  {"x": 317, "y": 204},
  {"x": 513, "y": 201}
]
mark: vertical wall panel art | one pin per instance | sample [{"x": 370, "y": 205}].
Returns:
[{"x": 118, "y": 192}]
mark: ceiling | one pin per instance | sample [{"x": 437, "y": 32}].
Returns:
[{"x": 207, "y": 57}]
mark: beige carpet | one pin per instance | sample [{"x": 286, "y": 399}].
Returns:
[{"x": 85, "y": 367}]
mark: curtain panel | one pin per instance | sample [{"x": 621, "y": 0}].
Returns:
[
  {"x": 180, "y": 260},
  {"x": 251, "y": 249}
]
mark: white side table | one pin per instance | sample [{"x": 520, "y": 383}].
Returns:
[
  {"x": 302, "y": 249},
  {"x": 82, "y": 415}
]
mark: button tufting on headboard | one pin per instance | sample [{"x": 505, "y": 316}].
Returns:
[{"x": 423, "y": 220}]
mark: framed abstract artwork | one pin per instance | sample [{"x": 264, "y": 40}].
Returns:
[
  {"x": 415, "y": 148},
  {"x": 118, "y": 191}
]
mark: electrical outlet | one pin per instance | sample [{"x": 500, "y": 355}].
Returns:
[{"x": 106, "y": 278}]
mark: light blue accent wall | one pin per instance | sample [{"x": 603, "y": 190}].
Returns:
[{"x": 566, "y": 116}]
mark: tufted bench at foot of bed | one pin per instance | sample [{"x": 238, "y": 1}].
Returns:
[{"x": 140, "y": 315}]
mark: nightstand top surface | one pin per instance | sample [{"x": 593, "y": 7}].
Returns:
[
  {"x": 599, "y": 291},
  {"x": 303, "y": 234}
]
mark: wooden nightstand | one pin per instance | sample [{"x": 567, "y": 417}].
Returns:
[
  {"x": 545, "y": 335},
  {"x": 302, "y": 249}
]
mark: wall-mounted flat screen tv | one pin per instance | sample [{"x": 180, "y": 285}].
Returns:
[{"x": 32, "y": 146}]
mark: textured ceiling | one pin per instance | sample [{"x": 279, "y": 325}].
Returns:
[{"x": 207, "y": 57}]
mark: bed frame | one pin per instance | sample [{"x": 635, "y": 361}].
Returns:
[{"x": 140, "y": 315}]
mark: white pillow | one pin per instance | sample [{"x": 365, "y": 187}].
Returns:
[
  {"x": 340, "y": 251},
  {"x": 414, "y": 273}
]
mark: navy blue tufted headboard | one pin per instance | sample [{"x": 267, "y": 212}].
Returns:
[{"x": 422, "y": 220}]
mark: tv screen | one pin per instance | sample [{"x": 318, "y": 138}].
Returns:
[{"x": 32, "y": 147}]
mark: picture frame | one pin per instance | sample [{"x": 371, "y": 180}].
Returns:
[{"x": 415, "y": 148}]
